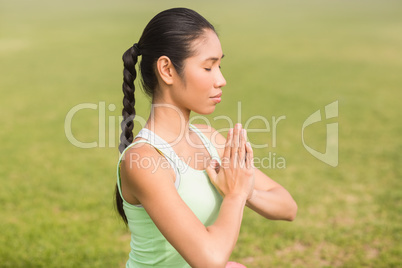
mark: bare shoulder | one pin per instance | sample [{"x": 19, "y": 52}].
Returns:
[
  {"x": 217, "y": 139},
  {"x": 142, "y": 169},
  {"x": 144, "y": 159}
]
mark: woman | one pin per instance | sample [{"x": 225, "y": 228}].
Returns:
[{"x": 182, "y": 191}]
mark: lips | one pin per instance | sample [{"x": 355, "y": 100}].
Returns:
[{"x": 217, "y": 96}]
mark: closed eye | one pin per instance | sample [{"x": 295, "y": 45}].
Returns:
[{"x": 209, "y": 69}]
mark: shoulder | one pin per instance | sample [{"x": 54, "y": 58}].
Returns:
[
  {"x": 215, "y": 136},
  {"x": 141, "y": 166},
  {"x": 143, "y": 158}
]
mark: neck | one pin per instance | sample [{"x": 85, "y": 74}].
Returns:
[{"x": 168, "y": 121}]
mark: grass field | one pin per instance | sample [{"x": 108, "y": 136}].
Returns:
[{"x": 286, "y": 58}]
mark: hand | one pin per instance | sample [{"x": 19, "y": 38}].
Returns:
[{"x": 236, "y": 174}]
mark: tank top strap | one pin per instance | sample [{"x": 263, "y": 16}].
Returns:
[
  {"x": 207, "y": 143},
  {"x": 161, "y": 149},
  {"x": 164, "y": 148}
]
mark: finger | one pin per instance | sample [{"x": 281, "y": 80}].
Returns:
[
  {"x": 234, "y": 157},
  {"x": 234, "y": 160},
  {"x": 211, "y": 170},
  {"x": 236, "y": 138},
  {"x": 228, "y": 148},
  {"x": 242, "y": 147},
  {"x": 249, "y": 156}
]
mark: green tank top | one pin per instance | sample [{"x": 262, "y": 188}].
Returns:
[{"x": 149, "y": 248}]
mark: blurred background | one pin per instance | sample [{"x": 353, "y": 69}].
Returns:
[{"x": 283, "y": 59}]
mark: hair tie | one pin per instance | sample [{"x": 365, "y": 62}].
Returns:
[{"x": 137, "y": 49}]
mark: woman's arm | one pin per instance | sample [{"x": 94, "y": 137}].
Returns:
[
  {"x": 154, "y": 188},
  {"x": 269, "y": 198}
]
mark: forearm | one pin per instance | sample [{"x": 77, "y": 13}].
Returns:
[
  {"x": 225, "y": 231},
  {"x": 275, "y": 204}
]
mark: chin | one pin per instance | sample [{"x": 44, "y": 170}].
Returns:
[{"x": 205, "y": 111}]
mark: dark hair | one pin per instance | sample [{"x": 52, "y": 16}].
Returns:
[{"x": 170, "y": 33}]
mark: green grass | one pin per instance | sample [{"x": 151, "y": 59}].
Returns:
[{"x": 282, "y": 59}]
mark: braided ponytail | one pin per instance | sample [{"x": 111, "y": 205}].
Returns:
[{"x": 130, "y": 58}]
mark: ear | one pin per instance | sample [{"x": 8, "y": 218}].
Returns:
[{"x": 165, "y": 69}]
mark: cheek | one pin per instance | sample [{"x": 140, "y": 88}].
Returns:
[
  {"x": 206, "y": 79},
  {"x": 196, "y": 76},
  {"x": 199, "y": 79}
]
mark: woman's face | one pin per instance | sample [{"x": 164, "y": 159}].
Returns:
[{"x": 202, "y": 81}]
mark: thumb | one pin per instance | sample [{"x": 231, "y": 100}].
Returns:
[{"x": 212, "y": 169}]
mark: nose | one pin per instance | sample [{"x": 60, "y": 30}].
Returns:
[{"x": 220, "y": 80}]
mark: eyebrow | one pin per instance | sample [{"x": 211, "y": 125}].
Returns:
[{"x": 214, "y": 58}]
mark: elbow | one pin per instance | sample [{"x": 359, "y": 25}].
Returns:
[
  {"x": 214, "y": 259},
  {"x": 210, "y": 261},
  {"x": 218, "y": 263},
  {"x": 292, "y": 211},
  {"x": 217, "y": 260}
]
